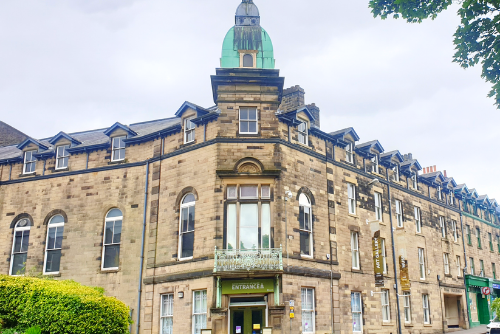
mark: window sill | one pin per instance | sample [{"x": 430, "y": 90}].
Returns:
[
  {"x": 408, "y": 325},
  {"x": 378, "y": 175},
  {"x": 60, "y": 170},
  {"x": 185, "y": 259},
  {"x": 188, "y": 143},
  {"x": 242, "y": 134},
  {"x": 27, "y": 174},
  {"x": 117, "y": 162},
  {"x": 358, "y": 271},
  {"x": 427, "y": 325},
  {"x": 448, "y": 275},
  {"x": 58, "y": 274},
  {"x": 110, "y": 270},
  {"x": 382, "y": 223},
  {"x": 353, "y": 215},
  {"x": 388, "y": 323},
  {"x": 420, "y": 234}
]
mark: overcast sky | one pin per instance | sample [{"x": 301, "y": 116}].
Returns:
[{"x": 75, "y": 65}]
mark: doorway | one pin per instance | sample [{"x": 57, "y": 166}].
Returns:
[
  {"x": 247, "y": 315},
  {"x": 483, "y": 311},
  {"x": 452, "y": 311}
]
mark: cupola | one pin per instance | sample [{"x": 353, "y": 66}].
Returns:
[{"x": 247, "y": 44}]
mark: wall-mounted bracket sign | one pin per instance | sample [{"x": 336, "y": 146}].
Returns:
[
  {"x": 247, "y": 286},
  {"x": 378, "y": 263},
  {"x": 405, "y": 275}
]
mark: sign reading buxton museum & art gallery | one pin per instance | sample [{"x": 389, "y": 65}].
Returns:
[
  {"x": 405, "y": 276},
  {"x": 247, "y": 286},
  {"x": 378, "y": 262}
]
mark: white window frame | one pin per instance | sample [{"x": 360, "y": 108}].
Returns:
[
  {"x": 167, "y": 313},
  {"x": 414, "y": 180},
  {"x": 494, "y": 270},
  {"x": 181, "y": 233},
  {"x": 440, "y": 195},
  {"x": 418, "y": 219},
  {"x": 481, "y": 268},
  {"x": 196, "y": 314},
  {"x": 22, "y": 229},
  {"x": 396, "y": 173},
  {"x": 421, "y": 263},
  {"x": 452, "y": 198},
  {"x": 472, "y": 267},
  {"x": 307, "y": 206},
  {"x": 349, "y": 153},
  {"x": 31, "y": 162},
  {"x": 357, "y": 296},
  {"x": 375, "y": 166},
  {"x": 189, "y": 130},
  {"x": 62, "y": 156},
  {"x": 312, "y": 311},
  {"x": 119, "y": 148},
  {"x": 351, "y": 198},
  {"x": 355, "y": 251},
  {"x": 384, "y": 256},
  {"x": 47, "y": 250},
  {"x": 426, "y": 309},
  {"x": 399, "y": 213},
  {"x": 446, "y": 260},
  {"x": 459, "y": 267},
  {"x": 378, "y": 206},
  {"x": 386, "y": 306},
  {"x": 442, "y": 225},
  {"x": 454, "y": 228},
  {"x": 256, "y": 121},
  {"x": 407, "y": 306},
  {"x": 110, "y": 219},
  {"x": 303, "y": 134}
]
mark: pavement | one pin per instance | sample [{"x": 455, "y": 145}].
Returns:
[{"x": 476, "y": 330}]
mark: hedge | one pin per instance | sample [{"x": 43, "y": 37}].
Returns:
[{"x": 60, "y": 307}]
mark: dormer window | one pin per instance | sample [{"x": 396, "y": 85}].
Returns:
[
  {"x": 375, "y": 168},
  {"x": 118, "y": 150},
  {"x": 396, "y": 173},
  {"x": 248, "y": 60},
  {"x": 29, "y": 162},
  {"x": 302, "y": 129},
  {"x": 248, "y": 121},
  {"x": 349, "y": 155},
  {"x": 439, "y": 194},
  {"x": 62, "y": 157},
  {"x": 189, "y": 128},
  {"x": 452, "y": 199}
]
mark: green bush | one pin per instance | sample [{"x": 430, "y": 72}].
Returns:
[{"x": 60, "y": 307}]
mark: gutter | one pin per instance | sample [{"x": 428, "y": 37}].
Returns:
[
  {"x": 467, "y": 301},
  {"x": 142, "y": 249}
]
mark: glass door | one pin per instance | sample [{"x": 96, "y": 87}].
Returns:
[{"x": 248, "y": 320}]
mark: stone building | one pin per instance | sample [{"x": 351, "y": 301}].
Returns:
[{"x": 246, "y": 216}]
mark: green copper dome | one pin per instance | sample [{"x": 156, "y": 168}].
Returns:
[{"x": 247, "y": 37}]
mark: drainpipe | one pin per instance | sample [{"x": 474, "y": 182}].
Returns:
[
  {"x": 10, "y": 172},
  {"x": 142, "y": 249},
  {"x": 393, "y": 249},
  {"x": 329, "y": 241},
  {"x": 465, "y": 268},
  {"x": 87, "y": 163}
]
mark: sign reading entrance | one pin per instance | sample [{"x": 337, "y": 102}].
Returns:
[
  {"x": 247, "y": 286},
  {"x": 378, "y": 262},
  {"x": 405, "y": 276}
]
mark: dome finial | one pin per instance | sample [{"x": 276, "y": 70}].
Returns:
[{"x": 247, "y": 14}]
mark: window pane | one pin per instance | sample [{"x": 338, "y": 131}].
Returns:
[
  {"x": 189, "y": 198},
  {"x": 184, "y": 219},
  {"x": 231, "y": 192},
  {"x": 355, "y": 302},
  {"x": 18, "y": 239},
  {"x": 249, "y": 215},
  {"x": 307, "y": 322},
  {"x": 187, "y": 244},
  {"x": 114, "y": 213},
  {"x": 200, "y": 301},
  {"x": 191, "y": 219},
  {"x": 266, "y": 225},
  {"x": 53, "y": 261},
  {"x": 231, "y": 226},
  {"x": 305, "y": 243},
  {"x": 167, "y": 325},
  {"x": 200, "y": 322},
  {"x": 18, "y": 262},
  {"x": 265, "y": 191},
  {"x": 249, "y": 223},
  {"x": 252, "y": 114},
  {"x": 117, "y": 235},
  {"x": 111, "y": 256},
  {"x": 59, "y": 236},
  {"x": 26, "y": 240},
  {"x": 307, "y": 219},
  {"x": 51, "y": 238},
  {"x": 244, "y": 126},
  {"x": 108, "y": 233},
  {"x": 252, "y": 127},
  {"x": 244, "y": 114},
  {"x": 249, "y": 191}
]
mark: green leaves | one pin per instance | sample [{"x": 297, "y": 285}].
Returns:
[
  {"x": 60, "y": 307},
  {"x": 477, "y": 39}
]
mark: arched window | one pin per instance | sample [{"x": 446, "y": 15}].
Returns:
[
  {"x": 247, "y": 60},
  {"x": 20, "y": 247},
  {"x": 186, "y": 230},
  {"x": 305, "y": 225},
  {"x": 54, "y": 245},
  {"x": 112, "y": 240}
]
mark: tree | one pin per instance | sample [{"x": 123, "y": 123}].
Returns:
[{"x": 477, "y": 39}]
